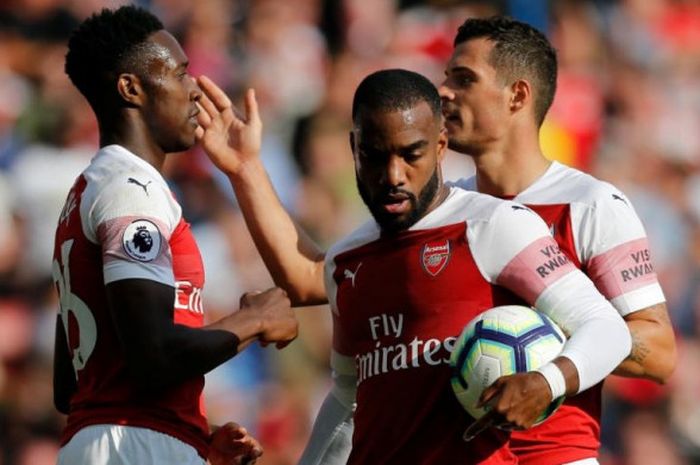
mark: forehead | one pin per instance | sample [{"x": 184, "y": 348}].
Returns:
[
  {"x": 473, "y": 54},
  {"x": 165, "y": 49},
  {"x": 396, "y": 128}
]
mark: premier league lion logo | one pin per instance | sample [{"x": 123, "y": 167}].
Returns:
[{"x": 142, "y": 240}]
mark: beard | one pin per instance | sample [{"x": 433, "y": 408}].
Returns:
[{"x": 419, "y": 206}]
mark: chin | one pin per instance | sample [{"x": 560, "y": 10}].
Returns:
[{"x": 460, "y": 146}]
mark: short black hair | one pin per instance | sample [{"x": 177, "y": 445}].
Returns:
[
  {"x": 106, "y": 44},
  {"x": 520, "y": 51},
  {"x": 394, "y": 89}
]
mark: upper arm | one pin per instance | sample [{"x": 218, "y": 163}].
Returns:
[
  {"x": 133, "y": 227},
  {"x": 142, "y": 311},
  {"x": 64, "y": 382},
  {"x": 615, "y": 251}
]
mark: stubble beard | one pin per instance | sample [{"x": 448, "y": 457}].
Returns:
[{"x": 390, "y": 224}]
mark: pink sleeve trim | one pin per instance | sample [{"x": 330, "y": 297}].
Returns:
[
  {"x": 535, "y": 268},
  {"x": 623, "y": 269}
]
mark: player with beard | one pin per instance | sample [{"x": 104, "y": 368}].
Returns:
[
  {"x": 131, "y": 347},
  {"x": 500, "y": 82},
  {"x": 402, "y": 286}
]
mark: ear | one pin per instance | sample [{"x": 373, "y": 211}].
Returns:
[
  {"x": 130, "y": 89},
  {"x": 521, "y": 95},
  {"x": 352, "y": 142},
  {"x": 442, "y": 142}
]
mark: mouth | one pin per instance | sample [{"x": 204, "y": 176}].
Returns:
[
  {"x": 193, "y": 117},
  {"x": 396, "y": 204},
  {"x": 451, "y": 117}
]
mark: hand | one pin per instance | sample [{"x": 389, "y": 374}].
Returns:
[
  {"x": 229, "y": 138},
  {"x": 279, "y": 324},
  {"x": 232, "y": 445},
  {"x": 514, "y": 402}
]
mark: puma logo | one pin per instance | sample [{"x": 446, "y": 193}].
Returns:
[
  {"x": 618, "y": 197},
  {"x": 351, "y": 274},
  {"x": 144, "y": 186}
]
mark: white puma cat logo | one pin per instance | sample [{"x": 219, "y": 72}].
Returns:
[{"x": 351, "y": 274}]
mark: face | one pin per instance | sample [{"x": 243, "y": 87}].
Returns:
[
  {"x": 474, "y": 98},
  {"x": 170, "y": 110},
  {"x": 397, "y": 155}
]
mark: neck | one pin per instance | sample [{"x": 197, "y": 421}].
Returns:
[
  {"x": 510, "y": 169},
  {"x": 132, "y": 134},
  {"x": 440, "y": 197}
]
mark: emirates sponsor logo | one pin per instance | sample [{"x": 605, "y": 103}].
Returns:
[{"x": 435, "y": 256}]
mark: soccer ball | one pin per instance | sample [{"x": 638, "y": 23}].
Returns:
[{"x": 502, "y": 341}]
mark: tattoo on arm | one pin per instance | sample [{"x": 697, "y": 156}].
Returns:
[{"x": 640, "y": 350}]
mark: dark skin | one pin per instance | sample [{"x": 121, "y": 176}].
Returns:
[
  {"x": 394, "y": 151},
  {"x": 157, "y": 115},
  {"x": 396, "y": 154}
]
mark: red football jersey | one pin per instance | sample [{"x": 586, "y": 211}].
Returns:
[
  {"x": 399, "y": 303},
  {"x": 597, "y": 228},
  {"x": 120, "y": 221}
]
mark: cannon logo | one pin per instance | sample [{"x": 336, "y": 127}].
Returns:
[{"x": 434, "y": 256}]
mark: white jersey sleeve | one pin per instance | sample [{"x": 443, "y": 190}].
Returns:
[
  {"x": 132, "y": 217},
  {"x": 513, "y": 248},
  {"x": 614, "y": 250}
]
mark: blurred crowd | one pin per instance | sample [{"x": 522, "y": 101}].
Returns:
[{"x": 627, "y": 110}]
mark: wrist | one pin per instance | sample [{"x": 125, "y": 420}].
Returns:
[
  {"x": 555, "y": 379},
  {"x": 247, "y": 171}
]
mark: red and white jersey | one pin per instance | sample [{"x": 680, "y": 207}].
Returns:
[
  {"x": 120, "y": 221},
  {"x": 599, "y": 231},
  {"x": 399, "y": 302}
]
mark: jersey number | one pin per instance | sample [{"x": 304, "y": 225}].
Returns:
[{"x": 78, "y": 321}]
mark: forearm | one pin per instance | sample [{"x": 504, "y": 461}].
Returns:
[
  {"x": 598, "y": 337},
  {"x": 331, "y": 438},
  {"x": 294, "y": 261},
  {"x": 183, "y": 353},
  {"x": 653, "y": 354},
  {"x": 156, "y": 349}
]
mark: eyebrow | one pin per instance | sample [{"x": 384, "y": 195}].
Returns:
[
  {"x": 416, "y": 145},
  {"x": 408, "y": 148},
  {"x": 460, "y": 69}
]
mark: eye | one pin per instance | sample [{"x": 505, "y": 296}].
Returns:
[
  {"x": 411, "y": 157},
  {"x": 464, "y": 81}
]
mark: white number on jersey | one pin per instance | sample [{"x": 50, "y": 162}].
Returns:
[{"x": 71, "y": 303}]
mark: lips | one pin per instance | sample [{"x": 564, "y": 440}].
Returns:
[
  {"x": 396, "y": 204},
  {"x": 451, "y": 116}
]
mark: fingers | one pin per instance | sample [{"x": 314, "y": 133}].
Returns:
[
  {"x": 489, "y": 394},
  {"x": 251, "y": 107},
  {"x": 217, "y": 96},
  {"x": 207, "y": 109}
]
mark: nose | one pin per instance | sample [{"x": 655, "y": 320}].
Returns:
[
  {"x": 395, "y": 172},
  {"x": 445, "y": 92},
  {"x": 195, "y": 91}
]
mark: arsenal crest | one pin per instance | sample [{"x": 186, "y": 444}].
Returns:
[{"x": 435, "y": 256}]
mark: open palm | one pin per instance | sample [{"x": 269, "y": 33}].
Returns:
[{"x": 229, "y": 138}]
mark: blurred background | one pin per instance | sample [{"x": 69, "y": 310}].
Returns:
[{"x": 627, "y": 110}]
